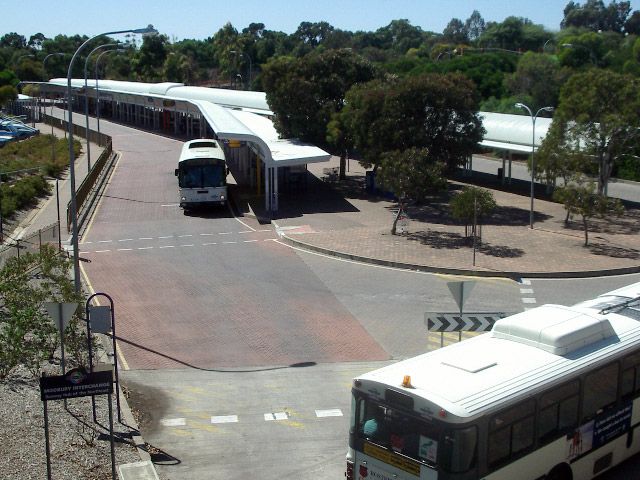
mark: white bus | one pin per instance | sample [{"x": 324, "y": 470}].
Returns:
[
  {"x": 202, "y": 174},
  {"x": 551, "y": 393}
]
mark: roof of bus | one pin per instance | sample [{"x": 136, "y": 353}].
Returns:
[
  {"x": 202, "y": 148},
  {"x": 521, "y": 354}
]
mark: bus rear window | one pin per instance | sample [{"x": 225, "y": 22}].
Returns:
[
  {"x": 395, "y": 430},
  {"x": 203, "y": 145}
]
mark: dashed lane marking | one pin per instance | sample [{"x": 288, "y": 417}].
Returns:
[
  {"x": 332, "y": 412},
  {"x": 173, "y": 422},
  {"x": 268, "y": 417},
  {"x": 224, "y": 419},
  {"x": 528, "y": 300}
]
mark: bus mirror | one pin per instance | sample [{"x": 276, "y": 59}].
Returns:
[{"x": 175, "y": 172}]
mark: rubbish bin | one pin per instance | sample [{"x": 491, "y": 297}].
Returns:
[{"x": 500, "y": 173}]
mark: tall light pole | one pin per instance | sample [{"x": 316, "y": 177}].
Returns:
[
  {"x": 533, "y": 150},
  {"x": 118, "y": 50},
  {"x": 74, "y": 215},
  {"x": 44, "y": 68},
  {"x": 86, "y": 98}
]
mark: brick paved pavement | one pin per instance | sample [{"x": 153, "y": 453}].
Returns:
[{"x": 341, "y": 219}]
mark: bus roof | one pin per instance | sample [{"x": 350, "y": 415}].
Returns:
[
  {"x": 521, "y": 355},
  {"x": 202, "y": 148}
]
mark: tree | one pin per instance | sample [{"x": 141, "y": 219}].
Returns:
[
  {"x": 411, "y": 173},
  {"x": 558, "y": 158},
  {"x": 13, "y": 40},
  {"x": 475, "y": 26},
  {"x": 471, "y": 205},
  {"x": 539, "y": 77},
  {"x": 152, "y": 56},
  {"x": 579, "y": 198},
  {"x": 595, "y": 16},
  {"x": 514, "y": 34},
  {"x": 36, "y": 41},
  {"x": 7, "y": 94},
  {"x": 27, "y": 335},
  {"x": 599, "y": 110},
  {"x": 305, "y": 93},
  {"x": 455, "y": 32},
  {"x": 432, "y": 111}
]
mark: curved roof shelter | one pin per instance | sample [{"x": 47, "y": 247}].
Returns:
[
  {"x": 512, "y": 132},
  {"x": 231, "y": 114}
]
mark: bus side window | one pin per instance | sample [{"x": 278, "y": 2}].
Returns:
[
  {"x": 511, "y": 433},
  {"x": 600, "y": 390},
  {"x": 558, "y": 411},
  {"x": 630, "y": 376}
]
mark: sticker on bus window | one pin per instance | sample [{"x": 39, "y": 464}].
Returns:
[{"x": 428, "y": 449}]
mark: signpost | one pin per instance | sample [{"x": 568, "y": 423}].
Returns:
[{"x": 77, "y": 382}]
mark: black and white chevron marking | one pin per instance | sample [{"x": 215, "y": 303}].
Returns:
[{"x": 467, "y": 322}]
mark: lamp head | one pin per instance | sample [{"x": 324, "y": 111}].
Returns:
[
  {"x": 519, "y": 105},
  {"x": 147, "y": 31}
]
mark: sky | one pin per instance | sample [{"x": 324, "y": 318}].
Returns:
[{"x": 199, "y": 19}]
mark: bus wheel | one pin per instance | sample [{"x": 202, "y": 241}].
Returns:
[{"x": 560, "y": 472}]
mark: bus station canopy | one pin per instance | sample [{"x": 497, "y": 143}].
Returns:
[{"x": 231, "y": 114}]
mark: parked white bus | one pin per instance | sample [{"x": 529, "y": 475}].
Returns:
[
  {"x": 202, "y": 174},
  {"x": 551, "y": 393}
]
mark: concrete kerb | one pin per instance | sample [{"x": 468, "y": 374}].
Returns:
[{"x": 457, "y": 271}]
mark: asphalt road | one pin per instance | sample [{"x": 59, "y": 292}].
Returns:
[{"x": 240, "y": 350}]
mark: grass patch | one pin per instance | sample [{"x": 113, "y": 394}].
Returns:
[{"x": 46, "y": 153}]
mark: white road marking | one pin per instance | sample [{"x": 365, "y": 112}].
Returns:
[
  {"x": 126, "y": 240},
  {"x": 102, "y": 251},
  {"x": 268, "y": 417},
  {"x": 249, "y": 241},
  {"x": 528, "y": 300},
  {"x": 170, "y": 205},
  {"x": 125, "y": 249},
  {"x": 526, "y": 290},
  {"x": 207, "y": 234},
  {"x": 210, "y": 243},
  {"x": 229, "y": 242},
  {"x": 173, "y": 422},
  {"x": 190, "y": 245},
  {"x": 225, "y": 233},
  {"x": 333, "y": 412},
  {"x": 224, "y": 419},
  {"x": 167, "y": 236},
  {"x": 246, "y": 231},
  {"x": 182, "y": 236},
  {"x": 526, "y": 282},
  {"x": 145, "y": 238},
  {"x": 168, "y": 246},
  {"x": 145, "y": 248},
  {"x": 265, "y": 230},
  {"x": 104, "y": 241}
]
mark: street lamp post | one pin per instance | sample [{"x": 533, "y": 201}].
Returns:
[
  {"x": 44, "y": 68},
  {"x": 119, "y": 50},
  {"x": 74, "y": 216},
  {"x": 86, "y": 98},
  {"x": 533, "y": 150}
]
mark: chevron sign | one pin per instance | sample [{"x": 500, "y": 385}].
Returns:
[{"x": 466, "y": 322}]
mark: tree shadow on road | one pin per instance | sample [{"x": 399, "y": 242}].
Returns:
[{"x": 455, "y": 241}]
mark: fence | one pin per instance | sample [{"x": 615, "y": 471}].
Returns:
[
  {"x": 86, "y": 187},
  {"x": 31, "y": 244}
]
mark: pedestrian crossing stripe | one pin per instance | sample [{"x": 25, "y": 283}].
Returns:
[{"x": 224, "y": 419}]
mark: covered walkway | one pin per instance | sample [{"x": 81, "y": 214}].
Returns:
[{"x": 241, "y": 119}]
